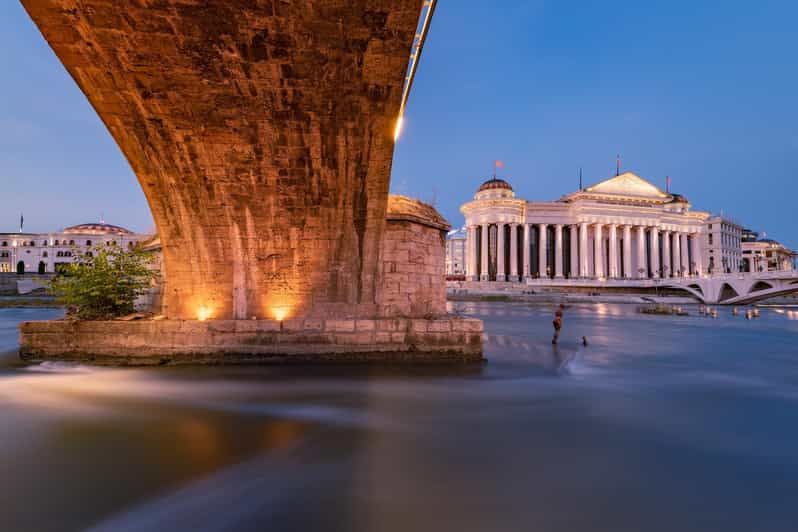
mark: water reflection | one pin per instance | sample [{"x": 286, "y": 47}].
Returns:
[{"x": 659, "y": 423}]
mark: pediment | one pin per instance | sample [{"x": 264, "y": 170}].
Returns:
[{"x": 628, "y": 184}]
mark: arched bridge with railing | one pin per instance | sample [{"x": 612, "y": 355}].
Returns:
[{"x": 737, "y": 289}]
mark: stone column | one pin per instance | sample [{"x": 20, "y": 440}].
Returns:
[
  {"x": 655, "y": 252},
  {"x": 527, "y": 259},
  {"x": 641, "y": 253},
  {"x": 627, "y": 251},
  {"x": 558, "y": 251},
  {"x": 697, "y": 251},
  {"x": 667, "y": 264},
  {"x": 685, "y": 255},
  {"x": 469, "y": 253},
  {"x": 500, "y": 275},
  {"x": 513, "y": 252},
  {"x": 542, "y": 250},
  {"x": 598, "y": 252},
  {"x": 583, "y": 269},
  {"x": 485, "y": 272},
  {"x": 613, "y": 252},
  {"x": 677, "y": 254},
  {"x": 574, "y": 251}
]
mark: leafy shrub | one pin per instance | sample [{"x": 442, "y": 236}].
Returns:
[{"x": 104, "y": 284}]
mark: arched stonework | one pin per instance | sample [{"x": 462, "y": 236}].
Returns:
[{"x": 261, "y": 133}]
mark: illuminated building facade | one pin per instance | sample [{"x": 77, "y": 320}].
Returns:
[
  {"x": 456, "y": 252},
  {"x": 620, "y": 228},
  {"x": 45, "y": 252},
  {"x": 722, "y": 245}
]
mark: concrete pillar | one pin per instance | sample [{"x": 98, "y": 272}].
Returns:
[
  {"x": 697, "y": 251},
  {"x": 655, "y": 252},
  {"x": 527, "y": 241},
  {"x": 667, "y": 264},
  {"x": 542, "y": 251},
  {"x": 685, "y": 256},
  {"x": 583, "y": 269},
  {"x": 613, "y": 251},
  {"x": 641, "y": 253},
  {"x": 485, "y": 272},
  {"x": 514, "y": 252},
  {"x": 500, "y": 275},
  {"x": 558, "y": 273},
  {"x": 574, "y": 251},
  {"x": 598, "y": 251},
  {"x": 627, "y": 251}
]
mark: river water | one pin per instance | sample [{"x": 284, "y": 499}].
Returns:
[{"x": 658, "y": 424}]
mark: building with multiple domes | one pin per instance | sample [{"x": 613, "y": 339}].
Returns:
[
  {"x": 46, "y": 252},
  {"x": 621, "y": 228}
]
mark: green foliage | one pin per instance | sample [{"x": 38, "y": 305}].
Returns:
[{"x": 103, "y": 284}]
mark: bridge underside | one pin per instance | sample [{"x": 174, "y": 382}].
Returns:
[{"x": 261, "y": 133}]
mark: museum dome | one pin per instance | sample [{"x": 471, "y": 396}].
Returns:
[
  {"x": 494, "y": 183},
  {"x": 100, "y": 228}
]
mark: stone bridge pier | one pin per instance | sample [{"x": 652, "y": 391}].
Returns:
[{"x": 261, "y": 132}]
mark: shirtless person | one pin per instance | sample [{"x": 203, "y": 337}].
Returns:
[{"x": 557, "y": 324}]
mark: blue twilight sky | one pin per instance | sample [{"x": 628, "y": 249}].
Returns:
[{"x": 704, "y": 91}]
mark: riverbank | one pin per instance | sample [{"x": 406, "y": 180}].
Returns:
[
  {"x": 28, "y": 302},
  {"x": 560, "y": 297}
]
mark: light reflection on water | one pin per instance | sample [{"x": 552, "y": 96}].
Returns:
[{"x": 659, "y": 423}]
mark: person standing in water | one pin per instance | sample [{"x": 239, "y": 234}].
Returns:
[{"x": 557, "y": 323}]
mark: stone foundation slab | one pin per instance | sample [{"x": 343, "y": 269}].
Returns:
[{"x": 149, "y": 342}]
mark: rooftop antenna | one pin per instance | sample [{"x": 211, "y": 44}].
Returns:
[
  {"x": 618, "y": 165},
  {"x": 21, "y": 221},
  {"x": 102, "y": 218},
  {"x": 580, "y": 178},
  {"x": 668, "y": 184}
]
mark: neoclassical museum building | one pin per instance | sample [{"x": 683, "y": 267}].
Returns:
[
  {"x": 621, "y": 228},
  {"x": 46, "y": 252}
]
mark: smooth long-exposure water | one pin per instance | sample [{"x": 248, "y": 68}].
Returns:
[{"x": 659, "y": 424}]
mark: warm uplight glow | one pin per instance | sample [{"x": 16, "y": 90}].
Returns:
[
  {"x": 203, "y": 313},
  {"x": 280, "y": 313},
  {"x": 398, "y": 131}
]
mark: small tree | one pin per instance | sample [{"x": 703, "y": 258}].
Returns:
[{"x": 103, "y": 285}]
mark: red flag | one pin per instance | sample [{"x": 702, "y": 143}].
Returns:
[{"x": 498, "y": 164}]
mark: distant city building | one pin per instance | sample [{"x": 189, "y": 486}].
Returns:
[
  {"x": 620, "y": 228},
  {"x": 765, "y": 254},
  {"x": 722, "y": 245},
  {"x": 456, "y": 252},
  {"x": 46, "y": 252}
]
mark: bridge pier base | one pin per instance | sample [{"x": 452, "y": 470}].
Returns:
[{"x": 158, "y": 342}]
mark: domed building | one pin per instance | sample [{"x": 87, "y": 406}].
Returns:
[
  {"x": 620, "y": 228},
  {"x": 46, "y": 252}
]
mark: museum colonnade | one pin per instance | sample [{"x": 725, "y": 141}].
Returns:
[{"x": 517, "y": 252}]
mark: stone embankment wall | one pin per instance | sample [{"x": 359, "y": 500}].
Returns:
[
  {"x": 143, "y": 342},
  {"x": 413, "y": 260},
  {"x": 8, "y": 281}
]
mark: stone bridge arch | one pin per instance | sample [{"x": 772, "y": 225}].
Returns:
[{"x": 261, "y": 133}]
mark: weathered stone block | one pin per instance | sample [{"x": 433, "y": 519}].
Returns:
[
  {"x": 365, "y": 325},
  {"x": 339, "y": 325}
]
